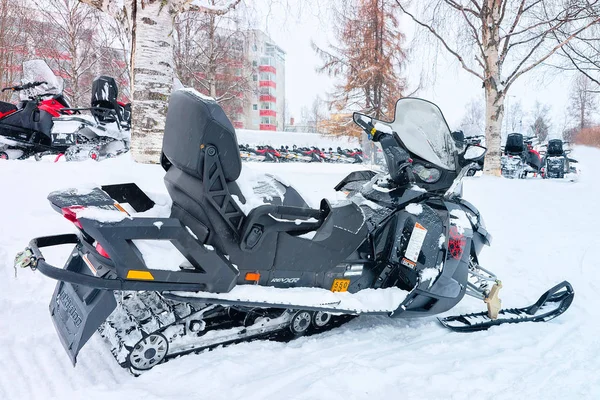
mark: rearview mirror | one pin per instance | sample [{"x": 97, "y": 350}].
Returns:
[
  {"x": 474, "y": 153},
  {"x": 361, "y": 120}
]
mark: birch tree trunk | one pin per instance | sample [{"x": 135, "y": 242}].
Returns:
[
  {"x": 494, "y": 96},
  {"x": 152, "y": 66}
]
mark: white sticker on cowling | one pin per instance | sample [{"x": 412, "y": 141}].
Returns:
[{"x": 416, "y": 242}]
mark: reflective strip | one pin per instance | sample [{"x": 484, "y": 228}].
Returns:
[{"x": 140, "y": 275}]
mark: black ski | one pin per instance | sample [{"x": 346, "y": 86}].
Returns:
[{"x": 550, "y": 305}]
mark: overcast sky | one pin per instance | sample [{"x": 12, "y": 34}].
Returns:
[{"x": 451, "y": 87}]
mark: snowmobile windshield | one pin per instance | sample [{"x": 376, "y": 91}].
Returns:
[
  {"x": 423, "y": 130},
  {"x": 39, "y": 71}
]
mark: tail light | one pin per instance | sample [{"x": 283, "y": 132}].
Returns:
[
  {"x": 70, "y": 213},
  {"x": 456, "y": 243},
  {"x": 101, "y": 250}
]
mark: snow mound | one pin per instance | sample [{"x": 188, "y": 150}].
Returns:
[{"x": 367, "y": 300}]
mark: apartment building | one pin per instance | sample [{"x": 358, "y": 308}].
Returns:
[{"x": 264, "y": 105}]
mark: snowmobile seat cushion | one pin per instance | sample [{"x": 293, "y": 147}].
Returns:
[
  {"x": 195, "y": 122},
  {"x": 6, "y": 108}
]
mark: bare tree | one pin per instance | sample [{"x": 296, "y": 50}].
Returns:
[
  {"x": 473, "y": 121},
  {"x": 514, "y": 117},
  {"x": 498, "y": 41},
  {"x": 583, "y": 101},
  {"x": 210, "y": 55},
  {"x": 150, "y": 24},
  {"x": 69, "y": 39},
  {"x": 582, "y": 54},
  {"x": 13, "y": 43},
  {"x": 541, "y": 121},
  {"x": 317, "y": 112}
]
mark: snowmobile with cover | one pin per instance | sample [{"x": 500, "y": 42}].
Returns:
[
  {"x": 519, "y": 158},
  {"x": 256, "y": 261},
  {"x": 557, "y": 164},
  {"x": 44, "y": 123}
]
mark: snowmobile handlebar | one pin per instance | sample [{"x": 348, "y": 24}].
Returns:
[
  {"x": 396, "y": 157},
  {"x": 24, "y": 87}
]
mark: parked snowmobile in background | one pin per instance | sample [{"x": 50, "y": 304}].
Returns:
[
  {"x": 403, "y": 244},
  {"x": 463, "y": 141},
  {"x": 44, "y": 123},
  {"x": 520, "y": 158},
  {"x": 557, "y": 164}
]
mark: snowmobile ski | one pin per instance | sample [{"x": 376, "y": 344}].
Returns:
[{"x": 549, "y": 306}]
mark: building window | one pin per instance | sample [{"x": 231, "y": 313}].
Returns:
[
  {"x": 254, "y": 77},
  {"x": 255, "y": 107},
  {"x": 238, "y": 72},
  {"x": 265, "y": 106},
  {"x": 254, "y": 63},
  {"x": 254, "y": 48}
]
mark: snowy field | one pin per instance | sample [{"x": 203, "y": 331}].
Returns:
[{"x": 544, "y": 232}]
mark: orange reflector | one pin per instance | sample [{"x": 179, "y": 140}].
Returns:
[
  {"x": 120, "y": 208},
  {"x": 141, "y": 275},
  {"x": 252, "y": 276}
]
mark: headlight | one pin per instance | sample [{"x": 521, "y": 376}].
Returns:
[{"x": 427, "y": 175}]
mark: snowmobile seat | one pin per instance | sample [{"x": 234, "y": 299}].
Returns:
[
  {"x": 6, "y": 108},
  {"x": 514, "y": 144},
  {"x": 201, "y": 147}
]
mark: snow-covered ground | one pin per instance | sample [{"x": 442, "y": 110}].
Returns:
[{"x": 544, "y": 232}]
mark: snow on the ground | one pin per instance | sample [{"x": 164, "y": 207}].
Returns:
[{"x": 544, "y": 232}]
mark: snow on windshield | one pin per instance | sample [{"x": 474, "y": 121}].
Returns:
[
  {"x": 39, "y": 71},
  {"x": 424, "y": 131}
]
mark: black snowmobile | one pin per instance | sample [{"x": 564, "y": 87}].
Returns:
[
  {"x": 520, "y": 158},
  {"x": 44, "y": 123},
  {"x": 404, "y": 244},
  {"x": 556, "y": 162}
]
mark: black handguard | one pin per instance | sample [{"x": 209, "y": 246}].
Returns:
[{"x": 396, "y": 158}]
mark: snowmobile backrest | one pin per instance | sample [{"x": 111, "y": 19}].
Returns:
[
  {"x": 555, "y": 147},
  {"x": 104, "y": 95},
  {"x": 193, "y": 123},
  {"x": 514, "y": 143}
]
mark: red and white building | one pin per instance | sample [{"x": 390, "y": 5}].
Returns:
[{"x": 264, "y": 105}]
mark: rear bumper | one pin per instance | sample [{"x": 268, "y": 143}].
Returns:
[
  {"x": 79, "y": 278},
  {"x": 82, "y": 301}
]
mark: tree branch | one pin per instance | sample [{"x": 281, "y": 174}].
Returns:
[{"x": 441, "y": 39}]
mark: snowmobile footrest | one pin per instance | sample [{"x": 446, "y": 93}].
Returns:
[{"x": 550, "y": 305}]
